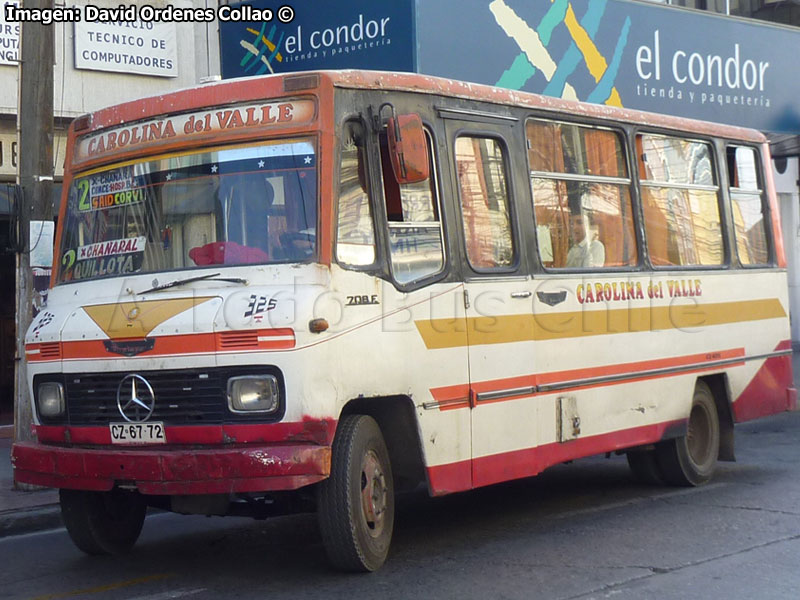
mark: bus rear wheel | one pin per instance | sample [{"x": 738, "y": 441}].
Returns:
[
  {"x": 691, "y": 460},
  {"x": 103, "y": 522},
  {"x": 356, "y": 503}
]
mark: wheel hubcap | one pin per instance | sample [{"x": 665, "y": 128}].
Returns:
[{"x": 373, "y": 494}]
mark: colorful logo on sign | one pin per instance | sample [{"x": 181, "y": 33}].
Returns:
[
  {"x": 261, "y": 51},
  {"x": 361, "y": 34},
  {"x": 559, "y": 22}
]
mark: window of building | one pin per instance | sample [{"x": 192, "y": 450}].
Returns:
[
  {"x": 355, "y": 238},
  {"x": 581, "y": 196},
  {"x": 416, "y": 241},
  {"x": 747, "y": 206},
  {"x": 485, "y": 204},
  {"x": 680, "y": 200}
]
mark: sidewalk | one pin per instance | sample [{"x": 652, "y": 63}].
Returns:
[{"x": 25, "y": 512}]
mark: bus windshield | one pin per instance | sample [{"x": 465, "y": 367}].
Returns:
[{"x": 254, "y": 204}]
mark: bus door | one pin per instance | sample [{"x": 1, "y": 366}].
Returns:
[
  {"x": 425, "y": 297},
  {"x": 498, "y": 295}
]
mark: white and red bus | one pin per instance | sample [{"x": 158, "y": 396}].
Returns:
[{"x": 306, "y": 291}]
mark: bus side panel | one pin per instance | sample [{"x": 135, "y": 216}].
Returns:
[
  {"x": 658, "y": 348},
  {"x": 405, "y": 345},
  {"x": 770, "y": 391}
]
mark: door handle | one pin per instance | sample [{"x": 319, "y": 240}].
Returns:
[{"x": 521, "y": 294}]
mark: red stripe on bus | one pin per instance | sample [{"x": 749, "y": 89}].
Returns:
[
  {"x": 452, "y": 396},
  {"x": 770, "y": 391},
  {"x": 457, "y": 396},
  {"x": 173, "y": 345},
  {"x": 505, "y": 466},
  {"x": 531, "y": 461}
]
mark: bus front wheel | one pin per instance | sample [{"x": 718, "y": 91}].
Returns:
[
  {"x": 103, "y": 522},
  {"x": 356, "y": 503},
  {"x": 691, "y": 459}
]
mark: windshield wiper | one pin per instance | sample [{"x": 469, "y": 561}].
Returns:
[{"x": 177, "y": 282}]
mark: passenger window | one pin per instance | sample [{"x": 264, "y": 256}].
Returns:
[
  {"x": 680, "y": 201},
  {"x": 416, "y": 246},
  {"x": 355, "y": 238},
  {"x": 747, "y": 204},
  {"x": 581, "y": 196},
  {"x": 483, "y": 188}
]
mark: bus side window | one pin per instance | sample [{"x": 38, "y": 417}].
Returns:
[
  {"x": 355, "y": 237},
  {"x": 581, "y": 196},
  {"x": 485, "y": 203},
  {"x": 416, "y": 246},
  {"x": 747, "y": 205},
  {"x": 680, "y": 200}
]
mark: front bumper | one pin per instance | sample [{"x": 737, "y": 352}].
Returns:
[{"x": 173, "y": 470}]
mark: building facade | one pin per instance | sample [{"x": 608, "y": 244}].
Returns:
[{"x": 96, "y": 64}]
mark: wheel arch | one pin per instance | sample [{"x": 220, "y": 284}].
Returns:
[
  {"x": 397, "y": 420},
  {"x": 720, "y": 389}
]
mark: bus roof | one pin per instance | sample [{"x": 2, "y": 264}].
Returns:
[{"x": 258, "y": 88}]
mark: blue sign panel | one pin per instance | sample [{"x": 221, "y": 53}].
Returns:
[
  {"x": 323, "y": 35},
  {"x": 620, "y": 53}
]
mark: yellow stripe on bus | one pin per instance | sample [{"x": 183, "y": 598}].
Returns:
[
  {"x": 137, "y": 319},
  {"x": 504, "y": 329}
]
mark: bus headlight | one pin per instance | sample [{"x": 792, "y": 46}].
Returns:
[
  {"x": 253, "y": 393},
  {"x": 50, "y": 399}
]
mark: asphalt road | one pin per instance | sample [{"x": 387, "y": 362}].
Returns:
[{"x": 581, "y": 530}]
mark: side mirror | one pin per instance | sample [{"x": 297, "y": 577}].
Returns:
[{"x": 408, "y": 148}]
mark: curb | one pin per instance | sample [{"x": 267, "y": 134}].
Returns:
[{"x": 30, "y": 520}]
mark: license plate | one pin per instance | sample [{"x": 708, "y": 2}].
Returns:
[{"x": 137, "y": 433}]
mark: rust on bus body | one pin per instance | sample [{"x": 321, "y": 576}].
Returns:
[
  {"x": 460, "y": 89},
  {"x": 206, "y": 471}
]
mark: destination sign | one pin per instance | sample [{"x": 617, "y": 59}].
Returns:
[{"x": 182, "y": 126}]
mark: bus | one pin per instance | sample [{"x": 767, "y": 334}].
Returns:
[{"x": 305, "y": 292}]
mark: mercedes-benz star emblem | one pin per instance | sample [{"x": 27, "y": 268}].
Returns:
[{"x": 135, "y": 398}]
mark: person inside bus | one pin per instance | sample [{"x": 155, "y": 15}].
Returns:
[{"x": 587, "y": 250}]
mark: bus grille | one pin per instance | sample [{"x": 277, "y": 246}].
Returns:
[
  {"x": 50, "y": 351},
  {"x": 182, "y": 397}
]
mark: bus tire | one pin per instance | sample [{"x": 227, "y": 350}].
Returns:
[
  {"x": 690, "y": 460},
  {"x": 644, "y": 467},
  {"x": 103, "y": 522},
  {"x": 356, "y": 503}
]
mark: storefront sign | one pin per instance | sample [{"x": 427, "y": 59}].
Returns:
[
  {"x": 335, "y": 35},
  {"x": 630, "y": 54},
  {"x": 144, "y": 47}
]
